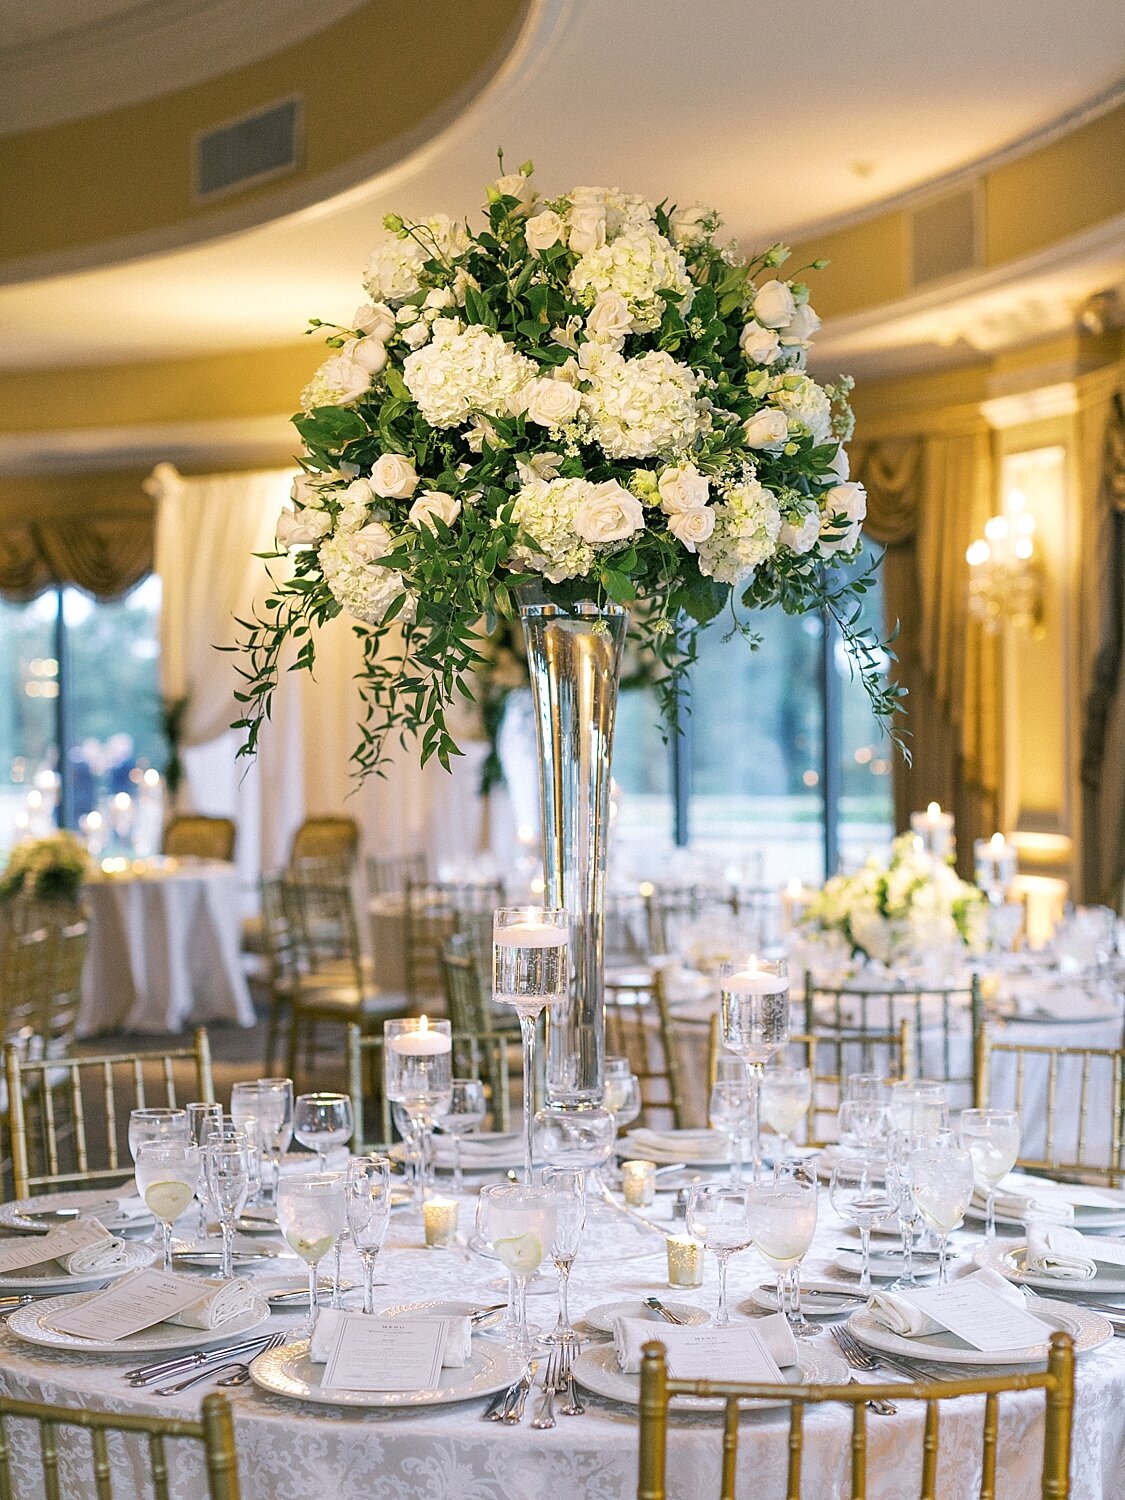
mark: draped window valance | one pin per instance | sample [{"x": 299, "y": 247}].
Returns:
[{"x": 95, "y": 532}]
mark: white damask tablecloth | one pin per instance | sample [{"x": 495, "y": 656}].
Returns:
[{"x": 290, "y": 1451}]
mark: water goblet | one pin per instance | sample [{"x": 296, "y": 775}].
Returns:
[
  {"x": 226, "y": 1163},
  {"x": 862, "y": 1124},
  {"x": 621, "y": 1095},
  {"x": 716, "y": 1216},
  {"x": 156, "y": 1125},
  {"x": 167, "y": 1174},
  {"x": 867, "y": 1086},
  {"x": 942, "y": 1182},
  {"x": 781, "y": 1215},
  {"x": 367, "y": 1192},
  {"x": 919, "y": 1105},
  {"x": 530, "y": 952},
  {"x": 275, "y": 1117},
  {"x": 418, "y": 1074},
  {"x": 992, "y": 1139},
  {"x": 245, "y": 1116},
  {"x": 410, "y": 1153},
  {"x": 901, "y": 1145},
  {"x": 786, "y": 1094},
  {"x": 754, "y": 999},
  {"x": 729, "y": 1109},
  {"x": 858, "y": 1192},
  {"x": 467, "y": 1108},
  {"x": 569, "y": 1186},
  {"x": 321, "y": 1121},
  {"x": 518, "y": 1221},
  {"x": 311, "y": 1212},
  {"x": 202, "y": 1119}
]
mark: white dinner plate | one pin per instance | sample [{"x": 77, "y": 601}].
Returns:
[
  {"x": 886, "y": 1264},
  {"x": 32, "y": 1324},
  {"x": 36, "y": 1216},
  {"x": 596, "y": 1369},
  {"x": 1009, "y": 1257},
  {"x": 288, "y": 1371},
  {"x": 486, "y": 1151},
  {"x": 444, "y": 1307},
  {"x": 33, "y": 1280},
  {"x": 694, "y": 1148},
  {"x": 1086, "y": 1218},
  {"x": 819, "y": 1299},
  {"x": 605, "y": 1314},
  {"x": 1089, "y": 1330}
]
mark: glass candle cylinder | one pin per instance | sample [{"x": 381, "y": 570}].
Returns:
[
  {"x": 439, "y": 1217},
  {"x": 685, "y": 1261},
  {"x": 639, "y": 1182}
]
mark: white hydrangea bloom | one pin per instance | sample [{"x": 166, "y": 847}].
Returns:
[
  {"x": 392, "y": 271},
  {"x": 463, "y": 373},
  {"x": 546, "y": 509},
  {"x": 637, "y": 265},
  {"x": 802, "y": 400},
  {"x": 747, "y": 527},
  {"x": 363, "y": 587},
  {"x": 638, "y": 408},
  {"x": 620, "y": 211}
]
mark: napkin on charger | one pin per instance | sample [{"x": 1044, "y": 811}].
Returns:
[
  {"x": 107, "y": 1253},
  {"x": 1059, "y": 1251},
  {"x": 458, "y": 1343},
  {"x": 700, "y": 1143},
  {"x": 630, "y": 1335},
  {"x": 900, "y": 1315},
  {"x": 226, "y": 1302}
]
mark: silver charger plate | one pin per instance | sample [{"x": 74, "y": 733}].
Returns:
[
  {"x": 596, "y": 1369},
  {"x": 137, "y": 1255},
  {"x": 37, "y": 1215},
  {"x": 886, "y": 1264},
  {"x": 605, "y": 1314},
  {"x": 445, "y": 1307},
  {"x": 288, "y": 1371},
  {"x": 1089, "y": 1330},
  {"x": 1009, "y": 1257},
  {"x": 32, "y": 1324},
  {"x": 819, "y": 1299}
]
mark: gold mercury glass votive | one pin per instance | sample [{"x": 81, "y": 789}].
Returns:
[
  {"x": 439, "y": 1216},
  {"x": 639, "y": 1183},
  {"x": 685, "y": 1261}
]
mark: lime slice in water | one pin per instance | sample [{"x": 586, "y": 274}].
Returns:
[{"x": 522, "y": 1254}]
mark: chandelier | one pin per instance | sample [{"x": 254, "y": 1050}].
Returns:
[{"x": 1005, "y": 585}]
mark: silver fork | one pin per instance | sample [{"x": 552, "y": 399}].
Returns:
[
  {"x": 513, "y": 1414},
  {"x": 863, "y": 1359},
  {"x": 859, "y": 1360},
  {"x": 545, "y": 1412},
  {"x": 573, "y": 1407}
]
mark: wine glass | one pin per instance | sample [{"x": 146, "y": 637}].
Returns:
[
  {"x": 992, "y": 1139},
  {"x": 569, "y": 1186},
  {"x": 311, "y": 1212},
  {"x": 244, "y": 1116},
  {"x": 156, "y": 1125},
  {"x": 716, "y": 1216},
  {"x": 226, "y": 1162},
  {"x": 167, "y": 1174},
  {"x": 858, "y": 1192},
  {"x": 786, "y": 1094},
  {"x": 782, "y": 1218},
  {"x": 729, "y": 1109},
  {"x": 942, "y": 1182},
  {"x": 901, "y": 1145},
  {"x": 467, "y": 1108},
  {"x": 867, "y": 1086},
  {"x": 518, "y": 1220},
  {"x": 418, "y": 1073},
  {"x": 621, "y": 1096},
  {"x": 321, "y": 1121},
  {"x": 202, "y": 1119},
  {"x": 919, "y": 1106},
  {"x": 275, "y": 1118},
  {"x": 530, "y": 950},
  {"x": 754, "y": 996},
  {"x": 367, "y": 1192},
  {"x": 862, "y": 1124}
]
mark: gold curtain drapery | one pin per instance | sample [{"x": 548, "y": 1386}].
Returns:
[{"x": 94, "y": 531}]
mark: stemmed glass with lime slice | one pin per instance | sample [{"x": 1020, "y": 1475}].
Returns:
[
  {"x": 518, "y": 1220},
  {"x": 167, "y": 1175}
]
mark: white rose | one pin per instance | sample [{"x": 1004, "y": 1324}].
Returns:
[
  {"x": 393, "y": 477},
  {"x": 544, "y": 230},
  {"x": 800, "y": 328},
  {"x": 416, "y": 335},
  {"x": 682, "y": 489},
  {"x": 516, "y": 185},
  {"x": 774, "y": 305},
  {"x": 339, "y": 381},
  {"x": 849, "y": 500},
  {"x": 800, "y": 536},
  {"x": 369, "y": 353},
  {"x": 609, "y": 320},
  {"x": 306, "y": 490},
  {"x": 587, "y": 228},
  {"x": 761, "y": 346},
  {"x": 608, "y": 514},
  {"x": 686, "y": 223},
  {"x": 375, "y": 319},
  {"x": 431, "y": 503},
  {"x": 551, "y": 403},
  {"x": 301, "y": 528},
  {"x": 357, "y": 493},
  {"x": 840, "y": 467},
  {"x": 766, "y": 428},
  {"x": 692, "y": 526},
  {"x": 371, "y": 542}
]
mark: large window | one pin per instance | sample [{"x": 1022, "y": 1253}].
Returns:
[{"x": 80, "y": 717}]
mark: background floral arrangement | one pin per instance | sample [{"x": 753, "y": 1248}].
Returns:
[
  {"x": 47, "y": 869},
  {"x": 912, "y": 903},
  {"x": 594, "y": 393}
]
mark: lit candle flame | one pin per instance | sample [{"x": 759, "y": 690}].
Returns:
[{"x": 933, "y": 810}]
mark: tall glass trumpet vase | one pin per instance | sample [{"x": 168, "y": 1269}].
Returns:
[
  {"x": 529, "y": 972},
  {"x": 418, "y": 1074},
  {"x": 574, "y": 654},
  {"x": 754, "y": 999}
]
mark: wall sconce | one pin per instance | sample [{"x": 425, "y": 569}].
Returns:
[{"x": 1005, "y": 583}]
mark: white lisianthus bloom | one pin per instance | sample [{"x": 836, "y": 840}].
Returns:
[
  {"x": 609, "y": 513},
  {"x": 550, "y": 403},
  {"x": 639, "y": 408},
  {"x": 761, "y": 346},
  {"x": 800, "y": 533},
  {"x": 370, "y": 353},
  {"x": 803, "y": 401},
  {"x": 516, "y": 185},
  {"x": 840, "y": 467},
  {"x": 692, "y": 527},
  {"x": 539, "y": 466},
  {"x": 850, "y": 501},
  {"x": 639, "y": 264},
  {"x": 392, "y": 271},
  {"x": 682, "y": 488},
  {"x": 439, "y": 298},
  {"x": 360, "y": 584},
  {"x": 393, "y": 477},
  {"x": 774, "y": 305},
  {"x": 747, "y": 527},
  {"x": 448, "y": 238},
  {"x": 609, "y": 321},
  {"x": 480, "y": 432},
  {"x": 463, "y": 373},
  {"x": 687, "y": 224},
  {"x": 431, "y": 503},
  {"x": 543, "y": 230},
  {"x": 301, "y": 528},
  {"x": 340, "y": 381},
  {"x": 767, "y": 428},
  {"x": 374, "y": 319},
  {"x": 800, "y": 328}
]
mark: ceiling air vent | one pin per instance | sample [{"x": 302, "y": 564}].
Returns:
[
  {"x": 945, "y": 236},
  {"x": 249, "y": 150}
]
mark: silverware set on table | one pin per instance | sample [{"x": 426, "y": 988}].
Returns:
[
  {"x": 204, "y": 1364},
  {"x": 558, "y": 1379}
]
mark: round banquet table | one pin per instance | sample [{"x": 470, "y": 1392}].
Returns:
[
  {"x": 294, "y": 1451},
  {"x": 164, "y": 950}
]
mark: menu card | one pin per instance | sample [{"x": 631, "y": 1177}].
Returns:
[
  {"x": 135, "y": 1302},
  {"x": 386, "y": 1354},
  {"x": 17, "y": 1255},
  {"x": 976, "y": 1313},
  {"x": 719, "y": 1354}
]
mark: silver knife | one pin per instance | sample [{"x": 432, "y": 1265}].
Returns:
[
  {"x": 658, "y": 1307},
  {"x": 514, "y": 1414}
]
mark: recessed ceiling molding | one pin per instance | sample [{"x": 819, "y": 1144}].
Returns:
[
  {"x": 1031, "y": 406},
  {"x": 236, "y": 441}
]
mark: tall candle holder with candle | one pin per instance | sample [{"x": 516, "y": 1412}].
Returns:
[
  {"x": 418, "y": 1074},
  {"x": 935, "y": 829},
  {"x": 996, "y": 863},
  {"x": 754, "y": 998}
]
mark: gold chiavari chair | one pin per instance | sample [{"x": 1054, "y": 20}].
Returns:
[
  {"x": 1071, "y": 1075},
  {"x": 472, "y": 1014},
  {"x": 658, "y": 1389},
  {"x": 66, "y": 1112},
  {"x": 389, "y": 875},
  {"x": 192, "y": 836},
  {"x": 64, "y": 1463},
  {"x": 334, "y": 839},
  {"x": 25, "y": 980},
  {"x": 639, "y": 1026},
  {"x": 670, "y": 908},
  {"x": 434, "y": 911}
]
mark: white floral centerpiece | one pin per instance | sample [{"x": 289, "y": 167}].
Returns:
[
  {"x": 593, "y": 392},
  {"x": 890, "y": 911},
  {"x": 46, "y": 869}
]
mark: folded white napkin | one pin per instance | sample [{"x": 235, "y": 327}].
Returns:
[
  {"x": 229, "y": 1300},
  {"x": 631, "y": 1334},
  {"x": 1016, "y": 1191},
  {"x": 901, "y": 1316},
  {"x": 700, "y": 1143},
  {"x": 488, "y": 1149},
  {"x": 131, "y": 1209},
  {"x": 107, "y": 1253},
  {"x": 1057, "y": 1250},
  {"x": 458, "y": 1343}
]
